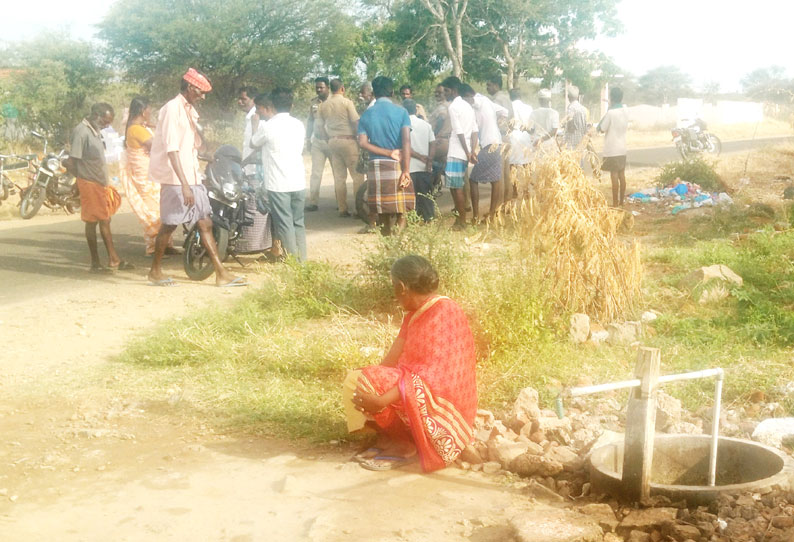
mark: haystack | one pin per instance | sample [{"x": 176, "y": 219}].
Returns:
[{"x": 566, "y": 223}]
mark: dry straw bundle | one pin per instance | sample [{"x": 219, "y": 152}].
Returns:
[{"x": 564, "y": 221}]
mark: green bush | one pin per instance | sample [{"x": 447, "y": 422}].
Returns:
[{"x": 696, "y": 170}]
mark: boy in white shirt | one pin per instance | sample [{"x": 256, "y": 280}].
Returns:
[
  {"x": 462, "y": 142},
  {"x": 614, "y": 125},
  {"x": 423, "y": 148},
  {"x": 281, "y": 139}
]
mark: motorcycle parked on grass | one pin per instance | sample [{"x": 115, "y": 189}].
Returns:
[
  {"x": 240, "y": 220},
  {"x": 52, "y": 185},
  {"x": 695, "y": 139}
]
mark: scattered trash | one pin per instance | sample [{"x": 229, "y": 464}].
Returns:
[{"x": 681, "y": 196}]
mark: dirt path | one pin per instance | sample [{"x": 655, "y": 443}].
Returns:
[{"x": 78, "y": 461}]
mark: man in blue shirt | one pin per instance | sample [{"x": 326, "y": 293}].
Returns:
[{"x": 384, "y": 131}]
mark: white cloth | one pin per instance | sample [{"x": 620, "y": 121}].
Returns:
[
  {"x": 522, "y": 112},
  {"x": 281, "y": 139},
  {"x": 421, "y": 137},
  {"x": 485, "y": 112},
  {"x": 462, "y": 122},
  {"x": 520, "y": 147},
  {"x": 614, "y": 125},
  {"x": 545, "y": 121},
  {"x": 247, "y": 133}
]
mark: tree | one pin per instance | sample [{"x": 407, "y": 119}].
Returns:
[
  {"x": 268, "y": 43},
  {"x": 54, "y": 82},
  {"x": 449, "y": 17},
  {"x": 540, "y": 37},
  {"x": 663, "y": 84},
  {"x": 769, "y": 85}
]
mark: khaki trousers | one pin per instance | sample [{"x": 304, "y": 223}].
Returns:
[
  {"x": 344, "y": 158},
  {"x": 320, "y": 153}
]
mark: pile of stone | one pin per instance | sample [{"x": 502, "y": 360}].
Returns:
[{"x": 550, "y": 454}]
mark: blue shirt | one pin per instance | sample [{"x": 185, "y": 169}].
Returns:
[{"x": 383, "y": 124}]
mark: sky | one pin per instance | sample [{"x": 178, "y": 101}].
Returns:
[{"x": 711, "y": 40}]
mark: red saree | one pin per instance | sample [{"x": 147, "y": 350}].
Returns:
[{"x": 436, "y": 378}]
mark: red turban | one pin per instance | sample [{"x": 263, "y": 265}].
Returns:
[{"x": 197, "y": 80}]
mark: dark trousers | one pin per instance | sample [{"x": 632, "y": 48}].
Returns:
[
  {"x": 287, "y": 211},
  {"x": 423, "y": 187}
]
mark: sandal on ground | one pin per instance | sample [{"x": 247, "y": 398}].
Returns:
[
  {"x": 239, "y": 281},
  {"x": 123, "y": 265},
  {"x": 386, "y": 462},
  {"x": 369, "y": 453},
  {"x": 168, "y": 281}
]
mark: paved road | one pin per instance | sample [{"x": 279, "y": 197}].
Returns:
[
  {"x": 660, "y": 155},
  {"x": 48, "y": 253}
]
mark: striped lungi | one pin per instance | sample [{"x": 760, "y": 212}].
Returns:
[
  {"x": 488, "y": 168},
  {"x": 255, "y": 237},
  {"x": 384, "y": 195},
  {"x": 455, "y": 172}
]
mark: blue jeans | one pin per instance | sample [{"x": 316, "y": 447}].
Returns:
[{"x": 287, "y": 211}]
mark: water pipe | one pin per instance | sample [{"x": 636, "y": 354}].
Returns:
[{"x": 718, "y": 373}]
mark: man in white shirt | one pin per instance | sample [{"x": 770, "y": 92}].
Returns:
[
  {"x": 462, "y": 142},
  {"x": 423, "y": 148},
  {"x": 489, "y": 159},
  {"x": 521, "y": 111},
  {"x": 245, "y": 101},
  {"x": 281, "y": 138},
  {"x": 615, "y": 124},
  {"x": 545, "y": 121}
]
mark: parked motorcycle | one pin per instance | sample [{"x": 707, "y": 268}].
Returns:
[
  {"x": 8, "y": 187},
  {"x": 52, "y": 186},
  {"x": 240, "y": 219},
  {"x": 694, "y": 139}
]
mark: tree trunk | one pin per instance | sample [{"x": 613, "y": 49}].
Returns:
[{"x": 443, "y": 20}]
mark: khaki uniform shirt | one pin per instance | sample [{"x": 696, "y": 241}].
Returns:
[
  {"x": 338, "y": 115},
  {"x": 314, "y": 126}
]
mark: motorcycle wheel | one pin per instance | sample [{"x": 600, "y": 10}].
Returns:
[
  {"x": 362, "y": 207},
  {"x": 196, "y": 259},
  {"x": 683, "y": 151},
  {"x": 714, "y": 145},
  {"x": 32, "y": 198},
  {"x": 5, "y": 192}
]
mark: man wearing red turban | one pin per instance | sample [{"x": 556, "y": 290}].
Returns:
[{"x": 174, "y": 164}]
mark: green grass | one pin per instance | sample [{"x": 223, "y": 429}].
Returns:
[{"x": 274, "y": 362}]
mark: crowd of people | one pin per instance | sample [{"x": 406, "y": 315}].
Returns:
[
  {"x": 390, "y": 143},
  {"x": 420, "y": 401}
]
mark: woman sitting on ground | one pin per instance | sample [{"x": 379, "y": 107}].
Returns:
[{"x": 422, "y": 398}]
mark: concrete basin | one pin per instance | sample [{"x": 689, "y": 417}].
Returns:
[{"x": 680, "y": 468}]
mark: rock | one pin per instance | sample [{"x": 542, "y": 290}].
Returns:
[
  {"x": 603, "y": 514},
  {"x": 774, "y": 431},
  {"x": 598, "y": 334},
  {"x": 491, "y": 467},
  {"x": 684, "y": 428},
  {"x": 555, "y": 428},
  {"x": 529, "y": 465},
  {"x": 625, "y": 333},
  {"x": 783, "y": 522},
  {"x": 638, "y": 536},
  {"x": 555, "y": 525},
  {"x": 612, "y": 537},
  {"x": 668, "y": 410},
  {"x": 648, "y": 317},
  {"x": 711, "y": 283},
  {"x": 569, "y": 459},
  {"x": 580, "y": 328},
  {"x": 646, "y": 519},
  {"x": 680, "y": 532},
  {"x": 539, "y": 491},
  {"x": 504, "y": 451},
  {"x": 526, "y": 407}
]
